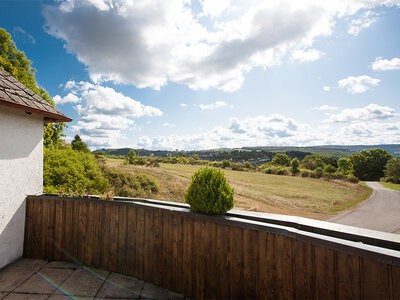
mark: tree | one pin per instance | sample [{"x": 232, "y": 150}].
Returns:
[
  {"x": 18, "y": 65},
  {"x": 392, "y": 172},
  {"x": 79, "y": 145},
  {"x": 195, "y": 156},
  {"x": 281, "y": 159},
  {"x": 131, "y": 156},
  {"x": 69, "y": 169},
  {"x": 295, "y": 165},
  {"x": 370, "y": 164},
  {"x": 345, "y": 166}
]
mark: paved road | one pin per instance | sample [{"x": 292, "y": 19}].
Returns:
[{"x": 381, "y": 212}]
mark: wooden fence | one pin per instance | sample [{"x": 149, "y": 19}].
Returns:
[{"x": 207, "y": 257}]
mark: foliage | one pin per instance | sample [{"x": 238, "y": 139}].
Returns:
[
  {"x": 281, "y": 159},
  {"x": 79, "y": 145},
  {"x": 19, "y": 66},
  {"x": 107, "y": 196},
  {"x": 71, "y": 193},
  {"x": 353, "y": 179},
  {"x": 370, "y": 164},
  {"x": 329, "y": 169},
  {"x": 209, "y": 192},
  {"x": 131, "y": 156},
  {"x": 195, "y": 156},
  {"x": 131, "y": 185},
  {"x": 392, "y": 172},
  {"x": 69, "y": 169},
  {"x": 345, "y": 166},
  {"x": 294, "y": 164},
  {"x": 226, "y": 163}
]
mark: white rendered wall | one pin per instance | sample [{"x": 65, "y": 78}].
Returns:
[{"x": 21, "y": 174}]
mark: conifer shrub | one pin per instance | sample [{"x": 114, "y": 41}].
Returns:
[{"x": 209, "y": 192}]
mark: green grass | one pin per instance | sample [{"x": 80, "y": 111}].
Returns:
[
  {"x": 393, "y": 186},
  {"x": 293, "y": 195}
]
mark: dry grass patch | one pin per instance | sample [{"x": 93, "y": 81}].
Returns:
[{"x": 292, "y": 195}]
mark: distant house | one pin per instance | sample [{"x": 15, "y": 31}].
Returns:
[{"x": 22, "y": 114}]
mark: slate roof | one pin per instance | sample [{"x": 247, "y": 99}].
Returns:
[{"x": 15, "y": 94}]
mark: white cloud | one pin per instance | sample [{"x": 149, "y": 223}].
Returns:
[
  {"x": 368, "y": 113},
  {"x": 306, "y": 55},
  {"x": 19, "y": 33},
  {"x": 214, "y": 105},
  {"x": 150, "y": 42},
  {"x": 214, "y": 8},
  {"x": 105, "y": 113},
  {"x": 365, "y": 20},
  {"x": 357, "y": 85},
  {"x": 168, "y": 125},
  {"x": 326, "y": 107},
  {"x": 381, "y": 64},
  {"x": 183, "y": 104},
  {"x": 70, "y": 98},
  {"x": 326, "y": 88},
  {"x": 278, "y": 130}
]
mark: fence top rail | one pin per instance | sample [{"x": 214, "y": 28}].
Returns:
[{"x": 382, "y": 246}]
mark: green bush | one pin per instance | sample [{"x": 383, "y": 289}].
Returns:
[
  {"x": 392, "y": 172},
  {"x": 209, "y": 192},
  {"x": 329, "y": 169},
  {"x": 131, "y": 185},
  {"x": 237, "y": 167},
  {"x": 226, "y": 163},
  {"x": 353, "y": 179},
  {"x": 69, "y": 169},
  {"x": 282, "y": 171},
  {"x": 294, "y": 164},
  {"x": 281, "y": 159},
  {"x": 317, "y": 173},
  {"x": 305, "y": 173}
]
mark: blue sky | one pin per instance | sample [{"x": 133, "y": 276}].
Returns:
[{"x": 206, "y": 74}]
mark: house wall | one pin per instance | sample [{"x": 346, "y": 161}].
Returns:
[{"x": 21, "y": 174}]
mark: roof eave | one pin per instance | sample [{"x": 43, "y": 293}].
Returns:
[{"x": 48, "y": 116}]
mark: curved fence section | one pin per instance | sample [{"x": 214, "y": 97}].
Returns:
[{"x": 208, "y": 257}]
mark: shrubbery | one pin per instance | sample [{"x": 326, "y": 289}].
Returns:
[
  {"x": 209, "y": 192},
  {"x": 131, "y": 185},
  {"x": 392, "y": 172},
  {"x": 69, "y": 169}
]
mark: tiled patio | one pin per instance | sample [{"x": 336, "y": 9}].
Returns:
[{"x": 40, "y": 279}]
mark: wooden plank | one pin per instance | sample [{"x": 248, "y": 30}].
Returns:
[
  {"x": 44, "y": 230},
  {"x": 140, "y": 251},
  {"x": 167, "y": 251},
  {"x": 236, "y": 263},
  {"x": 395, "y": 274},
  {"x": 89, "y": 229},
  {"x": 177, "y": 245},
  {"x": 122, "y": 239},
  {"x": 82, "y": 243},
  {"x": 68, "y": 229},
  {"x": 28, "y": 228},
  {"x": 97, "y": 236},
  {"x": 114, "y": 227},
  {"x": 223, "y": 238},
  {"x": 158, "y": 246},
  {"x": 131, "y": 241},
  {"x": 50, "y": 229},
  {"x": 303, "y": 268},
  {"x": 148, "y": 245},
  {"x": 325, "y": 284},
  {"x": 105, "y": 235},
  {"x": 210, "y": 274},
  {"x": 251, "y": 263},
  {"x": 75, "y": 230},
  {"x": 284, "y": 270},
  {"x": 262, "y": 284},
  {"x": 348, "y": 276},
  {"x": 188, "y": 256},
  {"x": 199, "y": 257},
  {"x": 375, "y": 280},
  {"x": 271, "y": 266},
  {"x": 58, "y": 228}
]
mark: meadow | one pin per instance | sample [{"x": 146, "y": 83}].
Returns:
[{"x": 255, "y": 191}]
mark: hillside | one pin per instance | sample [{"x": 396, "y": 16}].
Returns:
[{"x": 292, "y": 195}]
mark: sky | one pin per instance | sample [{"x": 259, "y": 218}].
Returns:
[{"x": 205, "y": 74}]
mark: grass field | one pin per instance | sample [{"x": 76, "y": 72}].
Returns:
[
  {"x": 254, "y": 191},
  {"x": 392, "y": 186}
]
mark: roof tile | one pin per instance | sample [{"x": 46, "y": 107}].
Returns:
[{"x": 14, "y": 92}]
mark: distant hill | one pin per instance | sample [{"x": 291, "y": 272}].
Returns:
[{"x": 261, "y": 152}]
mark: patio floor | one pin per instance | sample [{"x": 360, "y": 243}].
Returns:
[{"x": 38, "y": 279}]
